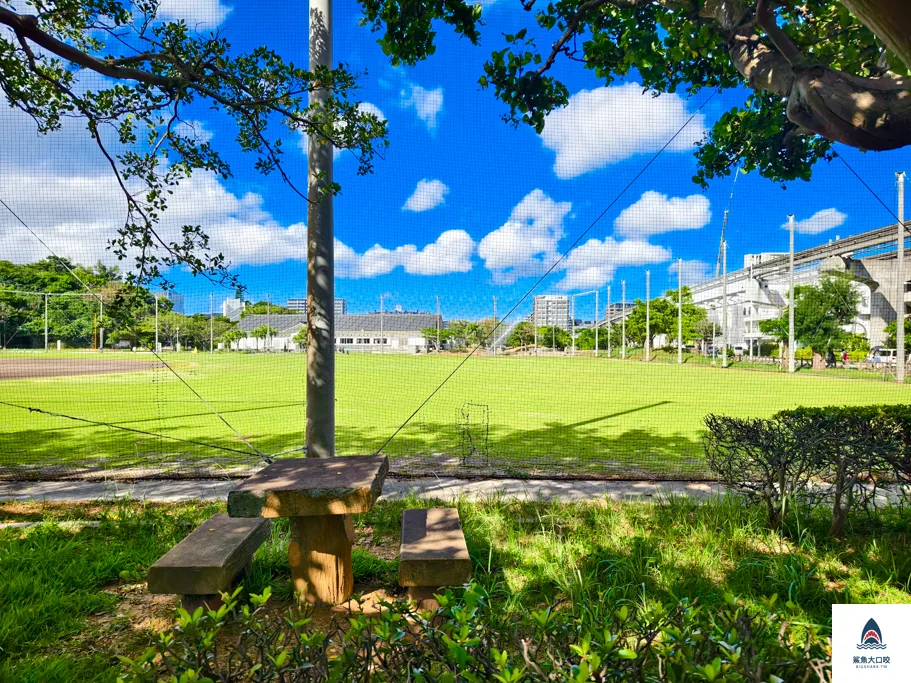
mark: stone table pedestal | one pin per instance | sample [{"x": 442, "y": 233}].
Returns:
[{"x": 319, "y": 495}]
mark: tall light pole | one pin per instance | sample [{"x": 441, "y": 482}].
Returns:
[
  {"x": 724, "y": 296},
  {"x": 791, "y": 341},
  {"x": 679, "y": 311},
  {"x": 597, "y": 320},
  {"x": 623, "y": 317},
  {"x": 320, "y": 255},
  {"x": 900, "y": 284},
  {"x": 45, "y": 322},
  {"x": 439, "y": 324},
  {"x": 157, "y": 346},
  {"x": 572, "y": 321},
  {"x": 211, "y": 323},
  {"x": 101, "y": 322},
  {"x": 534, "y": 304},
  {"x": 607, "y": 317},
  {"x": 648, "y": 319},
  {"x": 382, "y": 324}
]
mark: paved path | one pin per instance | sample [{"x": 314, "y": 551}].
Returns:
[{"x": 169, "y": 491}]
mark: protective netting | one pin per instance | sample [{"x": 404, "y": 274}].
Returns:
[{"x": 491, "y": 282}]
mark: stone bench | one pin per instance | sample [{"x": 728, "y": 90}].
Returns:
[
  {"x": 207, "y": 562},
  {"x": 433, "y": 554}
]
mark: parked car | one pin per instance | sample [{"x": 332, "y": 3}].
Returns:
[{"x": 880, "y": 356}]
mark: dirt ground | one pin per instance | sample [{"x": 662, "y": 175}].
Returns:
[{"x": 34, "y": 368}]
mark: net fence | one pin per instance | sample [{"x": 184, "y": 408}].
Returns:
[{"x": 562, "y": 303}]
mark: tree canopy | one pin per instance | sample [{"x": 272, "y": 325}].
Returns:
[
  {"x": 153, "y": 71},
  {"x": 820, "y": 71},
  {"x": 663, "y": 318}
]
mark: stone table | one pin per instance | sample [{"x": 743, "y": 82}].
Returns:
[{"x": 319, "y": 495}]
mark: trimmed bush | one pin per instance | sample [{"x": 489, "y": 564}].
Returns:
[{"x": 838, "y": 453}]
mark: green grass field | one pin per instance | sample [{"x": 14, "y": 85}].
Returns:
[{"x": 535, "y": 414}]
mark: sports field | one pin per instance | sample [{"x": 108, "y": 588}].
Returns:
[{"x": 516, "y": 415}]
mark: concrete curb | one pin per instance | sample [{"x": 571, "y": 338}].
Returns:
[{"x": 170, "y": 491}]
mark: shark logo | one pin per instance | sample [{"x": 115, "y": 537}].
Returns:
[{"x": 872, "y": 637}]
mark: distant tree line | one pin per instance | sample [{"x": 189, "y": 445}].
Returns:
[{"x": 76, "y": 318}]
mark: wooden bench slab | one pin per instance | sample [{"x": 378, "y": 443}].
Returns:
[
  {"x": 311, "y": 487},
  {"x": 433, "y": 551},
  {"x": 207, "y": 561}
]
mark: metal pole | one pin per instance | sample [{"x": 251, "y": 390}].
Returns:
[
  {"x": 101, "y": 323},
  {"x": 439, "y": 323},
  {"x": 679, "y": 311},
  {"x": 648, "y": 319},
  {"x": 573, "y": 322},
  {"x": 900, "y": 285},
  {"x": 623, "y": 317},
  {"x": 320, "y": 256},
  {"x": 534, "y": 303},
  {"x": 269, "y": 321},
  {"x": 714, "y": 336},
  {"x": 211, "y": 324},
  {"x": 157, "y": 347},
  {"x": 382, "y": 326},
  {"x": 724, "y": 296},
  {"x": 609, "y": 325},
  {"x": 45, "y": 322},
  {"x": 494, "y": 325},
  {"x": 597, "y": 320},
  {"x": 791, "y": 341}
]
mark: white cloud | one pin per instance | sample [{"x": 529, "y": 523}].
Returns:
[
  {"x": 606, "y": 125},
  {"x": 693, "y": 271},
  {"x": 451, "y": 253},
  {"x": 426, "y": 103},
  {"x": 201, "y": 15},
  {"x": 656, "y": 213},
  {"x": 819, "y": 222},
  {"x": 428, "y": 194},
  {"x": 88, "y": 209},
  {"x": 527, "y": 243},
  {"x": 303, "y": 141},
  {"x": 194, "y": 129},
  {"x": 593, "y": 264}
]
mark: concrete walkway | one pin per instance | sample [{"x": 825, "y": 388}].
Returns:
[{"x": 171, "y": 491}]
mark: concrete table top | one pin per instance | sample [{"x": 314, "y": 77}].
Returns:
[{"x": 305, "y": 487}]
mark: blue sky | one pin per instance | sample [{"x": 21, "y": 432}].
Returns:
[{"x": 496, "y": 204}]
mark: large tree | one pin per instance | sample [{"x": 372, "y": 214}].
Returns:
[{"x": 820, "y": 71}]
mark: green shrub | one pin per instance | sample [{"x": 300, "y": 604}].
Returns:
[
  {"x": 766, "y": 459},
  {"x": 469, "y": 639},
  {"x": 842, "y": 454}
]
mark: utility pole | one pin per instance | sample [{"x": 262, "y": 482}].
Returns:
[
  {"x": 607, "y": 317},
  {"x": 648, "y": 320},
  {"x": 269, "y": 321},
  {"x": 494, "y": 328},
  {"x": 157, "y": 347},
  {"x": 101, "y": 323},
  {"x": 597, "y": 320},
  {"x": 900, "y": 285},
  {"x": 45, "y": 322},
  {"x": 382, "y": 325},
  {"x": 535, "y": 312},
  {"x": 724, "y": 296},
  {"x": 679, "y": 311},
  {"x": 211, "y": 323},
  {"x": 320, "y": 256},
  {"x": 791, "y": 341},
  {"x": 623, "y": 317},
  {"x": 439, "y": 323}
]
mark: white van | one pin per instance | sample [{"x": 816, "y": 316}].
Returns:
[{"x": 884, "y": 356}]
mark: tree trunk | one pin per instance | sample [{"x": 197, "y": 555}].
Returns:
[
  {"x": 890, "y": 20},
  {"x": 865, "y": 113},
  {"x": 783, "y": 354},
  {"x": 819, "y": 361}
]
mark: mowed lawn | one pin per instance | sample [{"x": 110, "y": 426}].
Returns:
[{"x": 550, "y": 414}]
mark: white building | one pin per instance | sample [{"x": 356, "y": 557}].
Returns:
[
  {"x": 232, "y": 308},
  {"x": 551, "y": 310},
  {"x": 372, "y": 332},
  {"x": 300, "y": 305}
]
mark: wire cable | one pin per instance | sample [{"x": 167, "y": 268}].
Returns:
[
  {"x": 154, "y": 351},
  {"x": 549, "y": 270}
]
